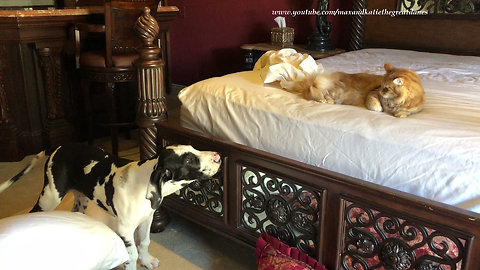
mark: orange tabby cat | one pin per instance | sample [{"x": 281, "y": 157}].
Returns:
[{"x": 399, "y": 92}]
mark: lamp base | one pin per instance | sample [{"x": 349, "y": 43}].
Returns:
[{"x": 319, "y": 42}]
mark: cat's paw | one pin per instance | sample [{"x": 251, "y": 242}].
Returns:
[
  {"x": 321, "y": 100},
  {"x": 401, "y": 114},
  {"x": 373, "y": 104}
]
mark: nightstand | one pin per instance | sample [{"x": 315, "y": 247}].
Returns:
[{"x": 254, "y": 51}]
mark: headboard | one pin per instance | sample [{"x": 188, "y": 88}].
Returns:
[{"x": 447, "y": 33}]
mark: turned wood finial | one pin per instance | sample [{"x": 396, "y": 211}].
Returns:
[{"x": 147, "y": 27}]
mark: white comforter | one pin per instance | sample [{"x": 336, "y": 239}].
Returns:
[{"x": 434, "y": 154}]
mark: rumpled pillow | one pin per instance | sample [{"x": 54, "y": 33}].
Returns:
[
  {"x": 272, "y": 254},
  {"x": 58, "y": 240},
  {"x": 286, "y": 65}
]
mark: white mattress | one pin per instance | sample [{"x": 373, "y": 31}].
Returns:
[{"x": 433, "y": 154}]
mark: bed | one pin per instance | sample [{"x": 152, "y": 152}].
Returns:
[{"x": 355, "y": 189}]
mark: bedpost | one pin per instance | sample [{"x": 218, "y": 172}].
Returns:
[
  {"x": 358, "y": 25},
  {"x": 151, "y": 107},
  {"x": 151, "y": 89}
]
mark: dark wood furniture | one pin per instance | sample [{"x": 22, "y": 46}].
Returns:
[
  {"x": 332, "y": 217},
  {"x": 112, "y": 66},
  {"x": 254, "y": 51},
  {"x": 151, "y": 106},
  {"x": 38, "y": 108},
  {"x": 342, "y": 221},
  {"x": 448, "y": 33},
  {"x": 35, "y": 98},
  {"x": 163, "y": 38}
]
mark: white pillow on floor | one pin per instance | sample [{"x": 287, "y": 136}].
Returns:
[{"x": 58, "y": 240}]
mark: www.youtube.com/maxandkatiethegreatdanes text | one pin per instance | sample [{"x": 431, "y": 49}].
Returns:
[{"x": 337, "y": 12}]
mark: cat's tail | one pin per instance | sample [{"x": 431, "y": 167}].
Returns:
[
  {"x": 319, "y": 89},
  {"x": 30, "y": 166},
  {"x": 294, "y": 85},
  {"x": 299, "y": 85},
  {"x": 323, "y": 82}
]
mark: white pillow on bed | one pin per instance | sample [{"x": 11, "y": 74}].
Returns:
[
  {"x": 286, "y": 65},
  {"x": 58, "y": 240}
]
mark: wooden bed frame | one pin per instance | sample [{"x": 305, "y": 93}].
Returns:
[{"x": 344, "y": 222}]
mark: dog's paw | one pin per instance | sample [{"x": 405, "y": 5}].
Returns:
[
  {"x": 129, "y": 266},
  {"x": 149, "y": 262}
]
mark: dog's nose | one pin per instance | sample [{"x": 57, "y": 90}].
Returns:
[{"x": 216, "y": 158}]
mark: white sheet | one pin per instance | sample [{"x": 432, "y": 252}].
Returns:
[{"x": 434, "y": 154}]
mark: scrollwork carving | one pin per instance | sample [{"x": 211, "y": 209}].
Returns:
[
  {"x": 426, "y": 265},
  {"x": 395, "y": 255},
  {"x": 441, "y": 6},
  {"x": 278, "y": 207},
  {"x": 376, "y": 240},
  {"x": 207, "y": 194}
]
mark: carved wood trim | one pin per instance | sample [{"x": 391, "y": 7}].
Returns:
[
  {"x": 358, "y": 26},
  {"x": 151, "y": 106},
  {"x": 374, "y": 237},
  {"x": 360, "y": 225},
  {"x": 4, "y": 108},
  {"x": 438, "y": 7},
  {"x": 50, "y": 63}
]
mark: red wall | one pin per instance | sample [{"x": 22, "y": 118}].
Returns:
[{"x": 207, "y": 35}]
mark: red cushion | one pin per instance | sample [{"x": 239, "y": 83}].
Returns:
[{"x": 272, "y": 254}]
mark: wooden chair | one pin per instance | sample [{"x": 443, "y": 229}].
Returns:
[{"x": 111, "y": 65}]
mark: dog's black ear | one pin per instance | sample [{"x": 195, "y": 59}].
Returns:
[{"x": 154, "y": 190}]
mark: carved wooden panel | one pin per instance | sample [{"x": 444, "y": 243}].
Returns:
[
  {"x": 458, "y": 7},
  {"x": 4, "y": 108},
  {"x": 378, "y": 239},
  {"x": 280, "y": 208},
  {"x": 206, "y": 195}
]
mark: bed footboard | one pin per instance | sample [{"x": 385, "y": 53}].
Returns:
[{"x": 344, "y": 222}]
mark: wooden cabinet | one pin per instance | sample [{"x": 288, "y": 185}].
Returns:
[
  {"x": 37, "y": 76},
  {"x": 35, "y": 89}
]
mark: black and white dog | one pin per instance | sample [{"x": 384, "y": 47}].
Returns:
[{"x": 129, "y": 192}]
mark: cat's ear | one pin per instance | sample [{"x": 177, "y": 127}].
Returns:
[
  {"x": 388, "y": 67},
  {"x": 399, "y": 81}
]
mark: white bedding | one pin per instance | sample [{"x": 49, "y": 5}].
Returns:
[{"x": 434, "y": 154}]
